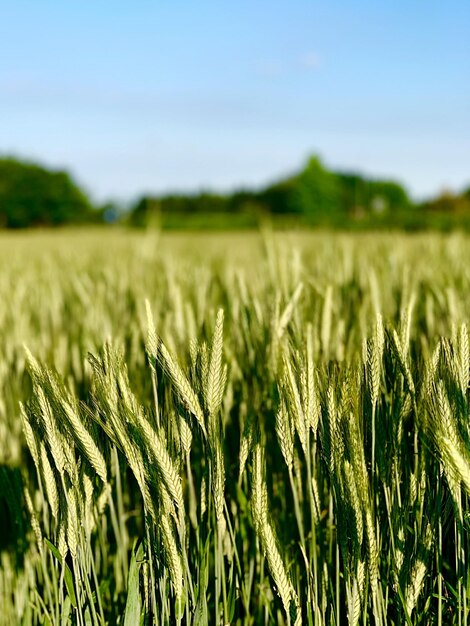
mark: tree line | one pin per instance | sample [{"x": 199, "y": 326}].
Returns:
[{"x": 31, "y": 195}]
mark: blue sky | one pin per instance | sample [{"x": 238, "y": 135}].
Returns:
[{"x": 170, "y": 95}]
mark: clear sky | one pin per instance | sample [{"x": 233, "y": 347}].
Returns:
[{"x": 159, "y": 95}]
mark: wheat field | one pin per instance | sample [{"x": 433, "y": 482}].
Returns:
[{"x": 263, "y": 428}]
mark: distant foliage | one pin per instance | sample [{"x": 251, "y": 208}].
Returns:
[
  {"x": 315, "y": 196},
  {"x": 31, "y": 195},
  {"x": 448, "y": 202},
  {"x": 317, "y": 190}
]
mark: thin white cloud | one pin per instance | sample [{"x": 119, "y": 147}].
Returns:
[{"x": 310, "y": 60}]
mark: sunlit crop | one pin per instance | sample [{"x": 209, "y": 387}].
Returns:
[{"x": 234, "y": 429}]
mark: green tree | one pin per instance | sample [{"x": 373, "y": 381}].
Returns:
[
  {"x": 317, "y": 191},
  {"x": 280, "y": 198},
  {"x": 392, "y": 195},
  {"x": 31, "y": 195}
]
